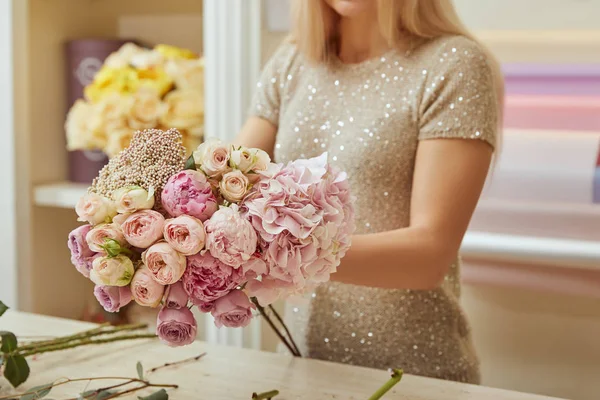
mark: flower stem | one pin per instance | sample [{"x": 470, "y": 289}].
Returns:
[
  {"x": 287, "y": 331},
  {"x": 83, "y": 342},
  {"x": 265, "y": 396},
  {"x": 187, "y": 360},
  {"x": 396, "y": 377},
  {"x": 262, "y": 312}
]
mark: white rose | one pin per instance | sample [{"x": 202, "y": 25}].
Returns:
[
  {"x": 261, "y": 160},
  {"x": 234, "y": 186},
  {"x": 242, "y": 159},
  {"x": 113, "y": 271},
  {"x": 146, "y": 110},
  {"x": 212, "y": 157},
  {"x": 185, "y": 111},
  {"x": 187, "y": 74},
  {"x": 133, "y": 198},
  {"x": 95, "y": 209}
]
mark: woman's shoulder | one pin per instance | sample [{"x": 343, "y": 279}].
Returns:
[
  {"x": 452, "y": 46},
  {"x": 285, "y": 56}
]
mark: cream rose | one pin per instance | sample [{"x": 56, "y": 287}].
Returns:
[
  {"x": 165, "y": 263},
  {"x": 112, "y": 271},
  {"x": 145, "y": 290},
  {"x": 185, "y": 111},
  {"x": 95, "y": 209},
  {"x": 96, "y": 238},
  {"x": 234, "y": 186},
  {"x": 80, "y": 135},
  {"x": 212, "y": 157},
  {"x": 146, "y": 110},
  {"x": 133, "y": 198},
  {"x": 122, "y": 58},
  {"x": 143, "y": 228},
  {"x": 242, "y": 159},
  {"x": 261, "y": 160},
  {"x": 187, "y": 74},
  {"x": 118, "y": 140},
  {"x": 147, "y": 59},
  {"x": 185, "y": 234},
  {"x": 110, "y": 113}
]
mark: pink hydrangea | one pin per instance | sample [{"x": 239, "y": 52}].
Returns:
[{"x": 189, "y": 193}]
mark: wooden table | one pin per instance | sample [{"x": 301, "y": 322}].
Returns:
[{"x": 224, "y": 373}]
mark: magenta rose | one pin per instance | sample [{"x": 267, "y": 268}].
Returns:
[
  {"x": 176, "y": 296},
  {"x": 185, "y": 234},
  {"x": 207, "y": 279},
  {"x": 189, "y": 193},
  {"x": 230, "y": 237},
  {"x": 233, "y": 310},
  {"x": 82, "y": 256},
  {"x": 145, "y": 290},
  {"x": 165, "y": 263},
  {"x": 112, "y": 298},
  {"x": 143, "y": 228},
  {"x": 176, "y": 327}
]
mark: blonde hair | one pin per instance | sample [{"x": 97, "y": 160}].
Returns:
[{"x": 314, "y": 29}]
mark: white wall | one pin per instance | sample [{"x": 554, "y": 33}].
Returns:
[{"x": 529, "y": 14}]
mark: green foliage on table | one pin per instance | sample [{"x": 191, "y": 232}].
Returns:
[
  {"x": 3, "y": 308},
  {"x": 38, "y": 392},
  {"x": 16, "y": 369},
  {"x": 160, "y": 395}
]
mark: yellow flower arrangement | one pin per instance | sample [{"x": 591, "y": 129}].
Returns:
[{"x": 137, "y": 89}]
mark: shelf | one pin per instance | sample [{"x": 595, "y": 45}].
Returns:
[{"x": 59, "y": 195}]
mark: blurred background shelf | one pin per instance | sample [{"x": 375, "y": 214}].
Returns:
[{"x": 60, "y": 194}]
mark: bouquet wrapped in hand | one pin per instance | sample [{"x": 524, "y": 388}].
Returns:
[{"x": 226, "y": 230}]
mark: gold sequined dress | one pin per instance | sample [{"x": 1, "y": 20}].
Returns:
[{"x": 370, "y": 117}]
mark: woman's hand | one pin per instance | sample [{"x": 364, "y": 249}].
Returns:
[{"x": 448, "y": 180}]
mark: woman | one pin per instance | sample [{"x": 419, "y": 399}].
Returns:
[{"x": 408, "y": 104}]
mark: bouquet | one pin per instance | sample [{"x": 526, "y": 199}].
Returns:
[
  {"x": 226, "y": 231},
  {"x": 139, "y": 89}
]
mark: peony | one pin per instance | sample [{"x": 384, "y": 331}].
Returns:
[
  {"x": 97, "y": 237},
  {"x": 82, "y": 256},
  {"x": 234, "y": 186},
  {"x": 185, "y": 234},
  {"x": 176, "y": 296},
  {"x": 143, "y": 228},
  {"x": 146, "y": 110},
  {"x": 189, "y": 192},
  {"x": 206, "y": 279},
  {"x": 212, "y": 157},
  {"x": 112, "y": 298},
  {"x": 187, "y": 74},
  {"x": 130, "y": 199},
  {"x": 184, "y": 111},
  {"x": 112, "y": 271},
  {"x": 176, "y": 327},
  {"x": 95, "y": 209},
  {"x": 233, "y": 310},
  {"x": 145, "y": 290},
  {"x": 165, "y": 264},
  {"x": 230, "y": 237}
]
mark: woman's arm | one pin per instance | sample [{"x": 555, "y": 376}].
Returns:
[
  {"x": 448, "y": 180},
  {"x": 257, "y": 133}
]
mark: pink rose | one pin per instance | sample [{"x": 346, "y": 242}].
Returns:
[
  {"x": 268, "y": 290},
  {"x": 233, "y": 310},
  {"x": 165, "y": 263},
  {"x": 176, "y": 327},
  {"x": 189, "y": 192},
  {"x": 212, "y": 157},
  {"x": 96, "y": 238},
  {"x": 185, "y": 234},
  {"x": 207, "y": 279},
  {"x": 112, "y": 298},
  {"x": 234, "y": 186},
  {"x": 229, "y": 237},
  {"x": 95, "y": 209},
  {"x": 143, "y": 228},
  {"x": 176, "y": 296},
  {"x": 145, "y": 290},
  {"x": 206, "y": 307},
  {"x": 82, "y": 256}
]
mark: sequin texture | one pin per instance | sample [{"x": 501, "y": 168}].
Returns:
[{"x": 370, "y": 118}]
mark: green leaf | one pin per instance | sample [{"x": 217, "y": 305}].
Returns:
[
  {"x": 16, "y": 369},
  {"x": 160, "y": 395},
  {"x": 190, "y": 163},
  {"x": 95, "y": 395},
  {"x": 140, "y": 370},
  {"x": 9, "y": 342},
  {"x": 38, "y": 392},
  {"x": 3, "y": 308}
]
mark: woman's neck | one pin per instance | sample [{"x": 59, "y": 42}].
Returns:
[{"x": 359, "y": 39}]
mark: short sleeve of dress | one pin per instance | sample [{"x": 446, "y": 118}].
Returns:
[
  {"x": 460, "y": 98},
  {"x": 266, "y": 102}
]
